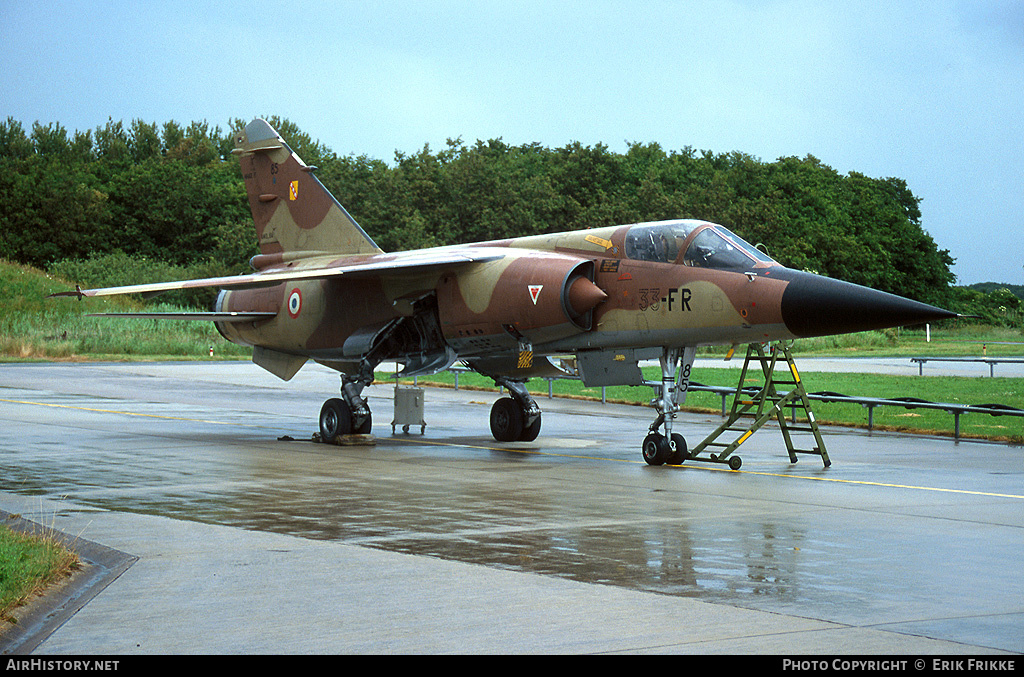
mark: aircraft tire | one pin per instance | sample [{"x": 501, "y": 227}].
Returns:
[
  {"x": 335, "y": 420},
  {"x": 530, "y": 432},
  {"x": 507, "y": 420},
  {"x": 655, "y": 449},
  {"x": 366, "y": 427},
  {"x": 678, "y": 455}
]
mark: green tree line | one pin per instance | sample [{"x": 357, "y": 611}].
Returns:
[{"x": 173, "y": 193}]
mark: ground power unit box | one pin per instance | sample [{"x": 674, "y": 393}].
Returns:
[{"x": 408, "y": 409}]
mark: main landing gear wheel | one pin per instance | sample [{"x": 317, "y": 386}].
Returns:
[
  {"x": 366, "y": 427},
  {"x": 508, "y": 422},
  {"x": 530, "y": 432},
  {"x": 336, "y": 421}
]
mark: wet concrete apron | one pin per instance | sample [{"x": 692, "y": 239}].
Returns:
[{"x": 884, "y": 538}]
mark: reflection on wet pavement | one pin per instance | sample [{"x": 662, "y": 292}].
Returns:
[{"x": 669, "y": 542}]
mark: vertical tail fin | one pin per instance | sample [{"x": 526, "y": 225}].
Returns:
[{"x": 293, "y": 211}]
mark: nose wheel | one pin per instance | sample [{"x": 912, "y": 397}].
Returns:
[{"x": 660, "y": 448}]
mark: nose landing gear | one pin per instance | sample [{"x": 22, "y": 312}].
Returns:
[
  {"x": 658, "y": 449},
  {"x": 669, "y": 447}
]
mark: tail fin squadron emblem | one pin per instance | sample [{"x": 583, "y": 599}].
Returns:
[{"x": 272, "y": 171}]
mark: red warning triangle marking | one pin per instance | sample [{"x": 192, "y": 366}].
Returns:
[{"x": 535, "y": 291}]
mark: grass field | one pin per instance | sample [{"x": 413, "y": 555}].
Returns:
[
  {"x": 944, "y": 389},
  {"x": 28, "y": 564},
  {"x": 33, "y": 326},
  {"x": 949, "y": 340}
]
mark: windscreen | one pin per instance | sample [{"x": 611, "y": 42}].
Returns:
[{"x": 712, "y": 249}]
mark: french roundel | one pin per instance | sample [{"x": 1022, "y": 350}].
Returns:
[{"x": 294, "y": 303}]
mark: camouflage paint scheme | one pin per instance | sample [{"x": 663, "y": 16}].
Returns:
[{"x": 323, "y": 290}]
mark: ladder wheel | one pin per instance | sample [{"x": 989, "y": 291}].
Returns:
[{"x": 735, "y": 462}]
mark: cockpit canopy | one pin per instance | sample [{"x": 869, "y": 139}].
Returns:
[{"x": 692, "y": 243}]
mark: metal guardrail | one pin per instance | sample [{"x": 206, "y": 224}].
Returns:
[
  {"x": 990, "y": 361},
  {"x": 870, "y": 403},
  {"x": 828, "y": 397}
]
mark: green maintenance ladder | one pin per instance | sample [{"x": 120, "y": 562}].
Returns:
[{"x": 762, "y": 406}]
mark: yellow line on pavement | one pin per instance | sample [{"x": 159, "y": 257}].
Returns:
[
  {"x": 712, "y": 468},
  {"x": 884, "y": 484},
  {"x": 115, "y": 411},
  {"x": 537, "y": 452}
]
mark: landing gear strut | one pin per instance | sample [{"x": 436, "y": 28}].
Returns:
[
  {"x": 515, "y": 418},
  {"x": 669, "y": 447},
  {"x": 349, "y": 414}
]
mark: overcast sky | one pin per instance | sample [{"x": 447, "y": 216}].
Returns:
[{"x": 931, "y": 92}]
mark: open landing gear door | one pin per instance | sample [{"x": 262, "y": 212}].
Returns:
[{"x": 613, "y": 367}]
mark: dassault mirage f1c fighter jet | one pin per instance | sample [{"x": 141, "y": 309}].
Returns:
[{"x": 609, "y": 297}]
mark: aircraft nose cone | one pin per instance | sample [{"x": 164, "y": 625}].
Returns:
[
  {"x": 583, "y": 296},
  {"x": 813, "y": 305}
]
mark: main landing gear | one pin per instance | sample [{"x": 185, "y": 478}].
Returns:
[
  {"x": 515, "y": 418},
  {"x": 669, "y": 447},
  {"x": 348, "y": 414}
]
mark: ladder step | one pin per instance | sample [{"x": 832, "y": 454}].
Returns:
[{"x": 761, "y": 403}]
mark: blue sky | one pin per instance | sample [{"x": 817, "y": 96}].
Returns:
[{"x": 931, "y": 92}]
